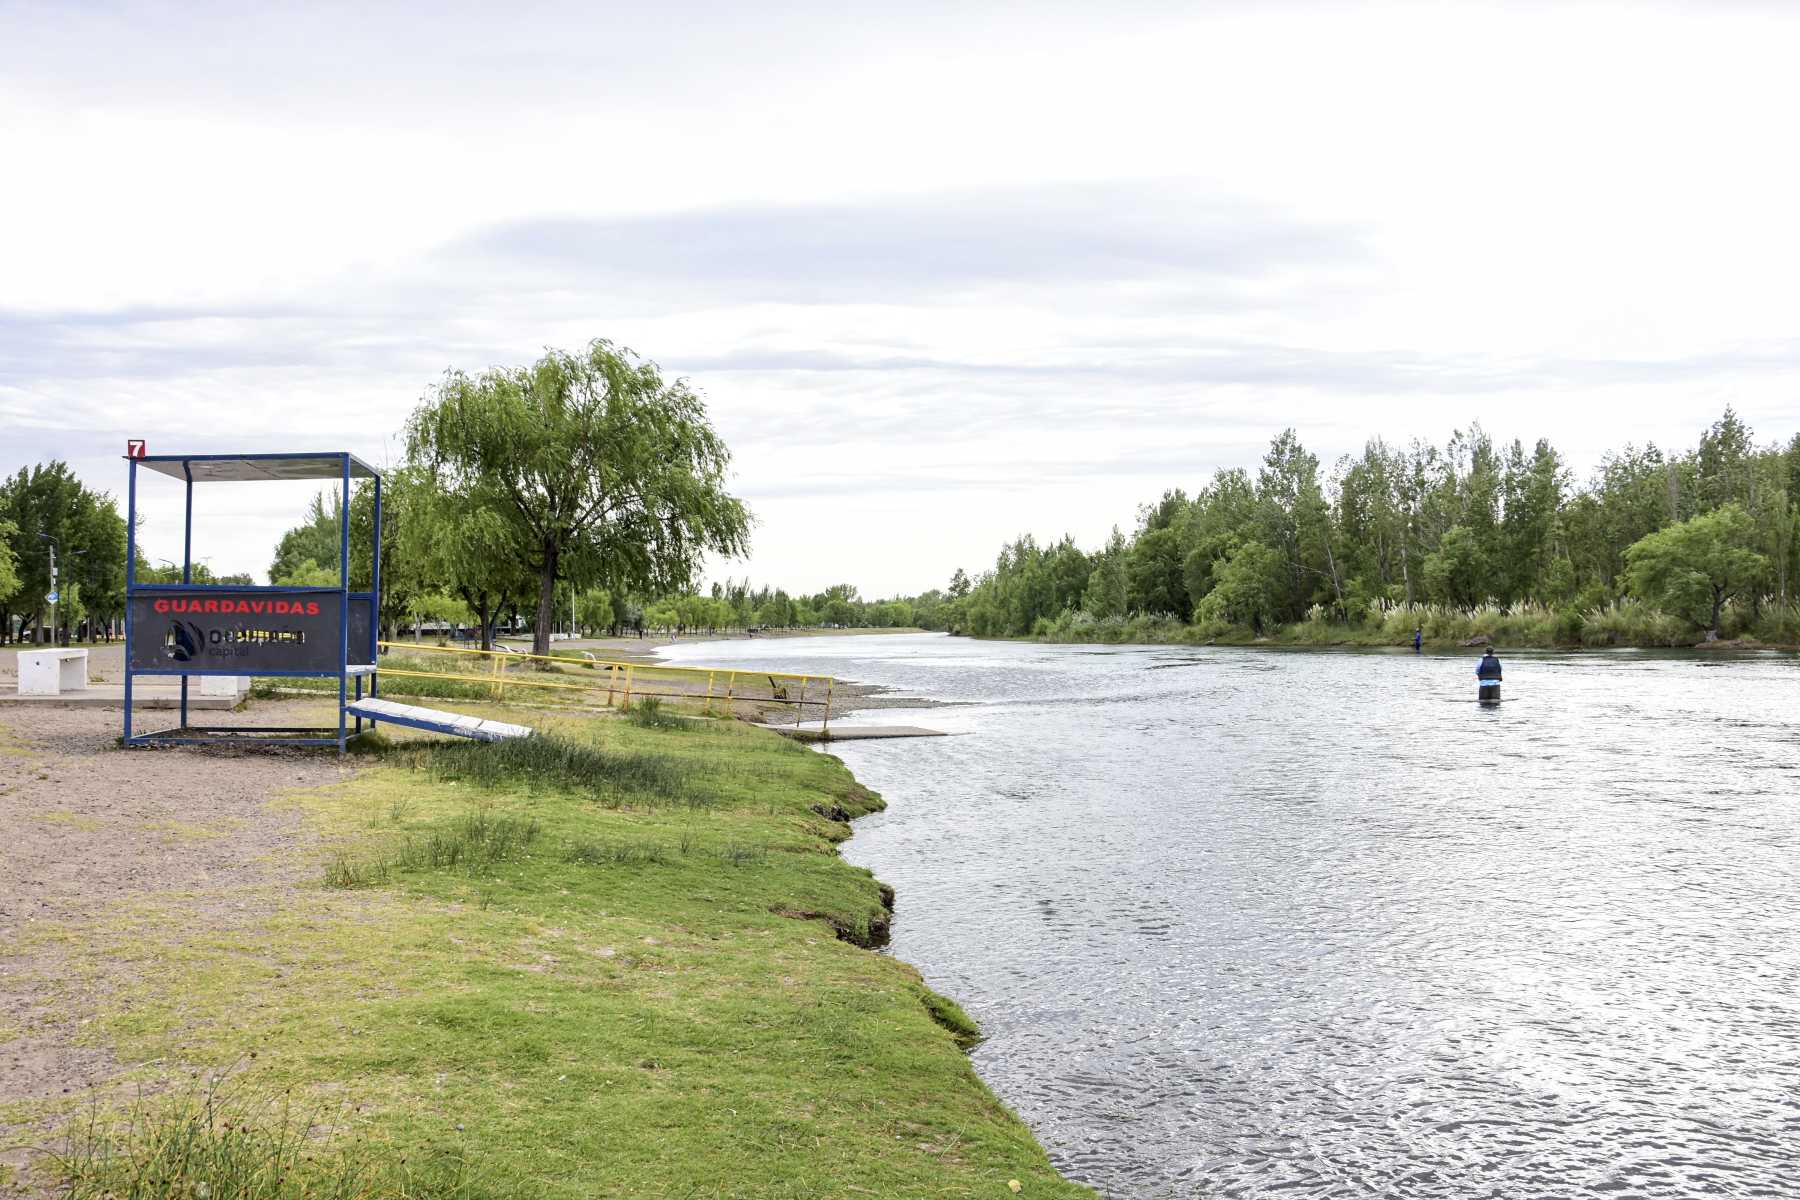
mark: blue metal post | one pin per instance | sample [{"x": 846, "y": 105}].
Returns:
[
  {"x": 344, "y": 603},
  {"x": 130, "y": 581},
  {"x": 375, "y": 613},
  {"x": 187, "y": 528},
  {"x": 187, "y": 567}
]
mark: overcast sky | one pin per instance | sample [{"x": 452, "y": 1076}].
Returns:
[{"x": 944, "y": 273}]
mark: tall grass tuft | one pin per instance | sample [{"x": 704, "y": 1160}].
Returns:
[
  {"x": 1634, "y": 623},
  {"x": 1779, "y": 623},
  {"x": 650, "y": 713},
  {"x": 347, "y": 873},
  {"x": 1073, "y": 626},
  {"x": 477, "y": 842},
  {"x": 617, "y": 854},
  {"x": 1626, "y": 622},
  {"x": 217, "y": 1141},
  {"x": 545, "y": 760},
  {"x": 736, "y": 854}
]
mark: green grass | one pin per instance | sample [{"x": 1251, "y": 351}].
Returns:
[
  {"x": 625, "y": 962},
  {"x": 547, "y": 761},
  {"x": 434, "y": 688}
]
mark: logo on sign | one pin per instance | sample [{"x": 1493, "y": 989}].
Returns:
[
  {"x": 51, "y": 597},
  {"x": 134, "y": 447},
  {"x": 182, "y": 641}
]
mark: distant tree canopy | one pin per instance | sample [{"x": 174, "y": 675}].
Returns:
[
  {"x": 170, "y": 572},
  {"x": 1465, "y": 526},
  {"x": 44, "y": 505},
  {"x": 9, "y": 562},
  {"x": 313, "y": 546}
]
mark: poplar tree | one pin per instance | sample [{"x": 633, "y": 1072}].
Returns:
[{"x": 9, "y": 562}]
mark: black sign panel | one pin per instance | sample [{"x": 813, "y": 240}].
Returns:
[{"x": 242, "y": 632}]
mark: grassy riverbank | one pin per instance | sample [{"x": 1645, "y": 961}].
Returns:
[
  {"x": 628, "y": 962},
  {"x": 1530, "y": 626}
]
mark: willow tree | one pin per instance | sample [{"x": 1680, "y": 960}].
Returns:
[{"x": 604, "y": 474}]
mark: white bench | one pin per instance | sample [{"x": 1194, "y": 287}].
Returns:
[
  {"x": 52, "y": 672},
  {"x": 232, "y": 687}
]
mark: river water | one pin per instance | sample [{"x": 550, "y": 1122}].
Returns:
[{"x": 1258, "y": 923}]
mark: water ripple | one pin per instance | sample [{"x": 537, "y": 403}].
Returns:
[{"x": 1253, "y": 924}]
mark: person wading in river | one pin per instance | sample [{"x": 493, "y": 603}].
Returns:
[{"x": 1488, "y": 672}]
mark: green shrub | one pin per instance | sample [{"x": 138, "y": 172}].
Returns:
[
  {"x": 1780, "y": 623},
  {"x": 1569, "y": 626},
  {"x": 1633, "y": 623}
]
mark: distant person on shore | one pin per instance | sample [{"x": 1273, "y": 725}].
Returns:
[
  {"x": 1488, "y": 672},
  {"x": 1418, "y": 640}
]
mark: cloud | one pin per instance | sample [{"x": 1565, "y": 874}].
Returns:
[
  {"x": 926, "y": 247},
  {"x": 973, "y": 363}
]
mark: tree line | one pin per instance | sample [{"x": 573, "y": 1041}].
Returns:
[
  {"x": 1467, "y": 537},
  {"x": 45, "y": 510},
  {"x": 583, "y": 490}
]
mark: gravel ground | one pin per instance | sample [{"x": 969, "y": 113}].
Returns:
[{"x": 92, "y": 831}]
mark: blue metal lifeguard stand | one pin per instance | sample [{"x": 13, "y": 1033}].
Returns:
[{"x": 188, "y": 629}]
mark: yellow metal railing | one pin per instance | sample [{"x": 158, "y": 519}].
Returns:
[{"x": 624, "y": 680}]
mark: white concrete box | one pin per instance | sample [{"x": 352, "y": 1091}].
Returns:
[
  {"x": 52, "y": 672},
  {"x": 233, "y": 686}
]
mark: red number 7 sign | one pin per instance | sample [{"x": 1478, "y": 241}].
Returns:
[{"x": 134, "y": 447}]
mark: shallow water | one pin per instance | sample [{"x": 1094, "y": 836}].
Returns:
[{"x": 1286, "y": 923}]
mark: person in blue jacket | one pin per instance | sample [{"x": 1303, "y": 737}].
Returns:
[
  {"x": 1418, "y": 639},
  {"x": 1488, "y": 672}
]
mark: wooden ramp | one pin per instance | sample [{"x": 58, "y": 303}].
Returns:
[{"x": 435, "y": 721}]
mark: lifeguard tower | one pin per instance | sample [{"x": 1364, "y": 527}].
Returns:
[{"x": 188, "y": 629}]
